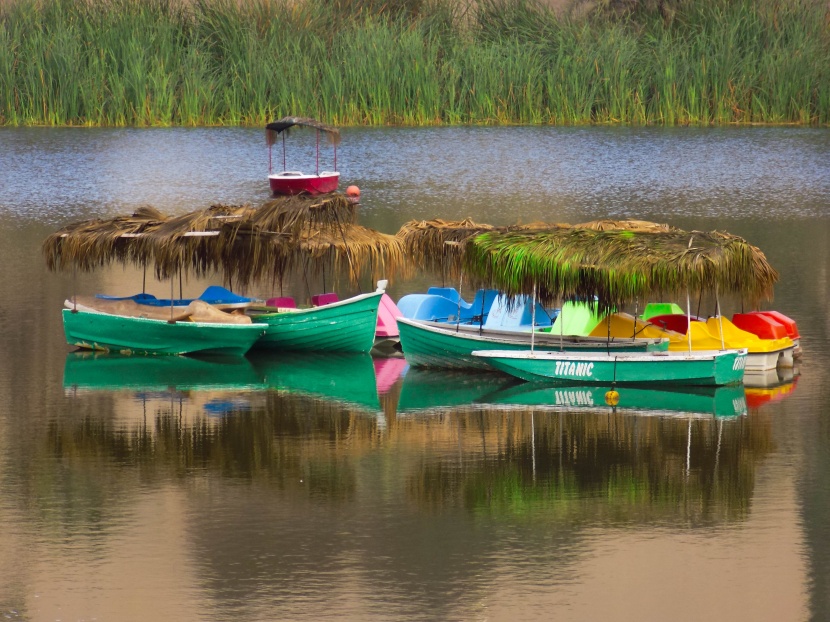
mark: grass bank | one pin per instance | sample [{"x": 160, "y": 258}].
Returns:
[{"x": 417, "y": 62}]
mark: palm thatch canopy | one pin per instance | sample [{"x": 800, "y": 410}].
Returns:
[
  {"x": 644, "y": 226},
  {"x": 618, "y": 266},
  {"x": 438, "y": 245},
  {"x": 273, "y": 129},
  {"x": 241, "y": 242}
]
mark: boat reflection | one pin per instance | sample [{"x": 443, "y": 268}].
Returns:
[
  {"x": 770, "y": 386},
  {"x": 425, "y": 389},
  {"x": 346, "y": 377},
  {"x": 726, "y": 401},
  {"x": 94, "y": 371}
]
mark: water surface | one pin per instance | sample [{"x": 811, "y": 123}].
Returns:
[{"x": 327, "y": 487}]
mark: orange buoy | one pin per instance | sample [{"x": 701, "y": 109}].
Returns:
[{"x": 352, "y": 191}]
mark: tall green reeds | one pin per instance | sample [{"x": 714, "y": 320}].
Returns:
[{"x": 415, "y": 62}]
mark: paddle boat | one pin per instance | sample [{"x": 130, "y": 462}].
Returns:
[
  {"x": 127, "y": 327},
  {"x": 297, "y": 182},
  {"x": 445, "y": 304},
  {"x": 699, "y": 334}
]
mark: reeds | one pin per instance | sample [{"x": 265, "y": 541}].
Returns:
[{"x": 413, "y": 62}]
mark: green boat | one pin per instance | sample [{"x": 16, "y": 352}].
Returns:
[
  {"x": 432, "y": 344},
  {"x": 426, "y": 389},
  {"x": 112, "y": 372},
  {"x": 698, "y": 367},
  {"x": 347, "y": 377},
  {"x": 728, "y": 401},
  {"x": 344, "y": 326},
  {"x": 140, "y": 335}
]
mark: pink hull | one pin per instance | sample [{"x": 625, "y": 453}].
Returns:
[{"x": 298, "y": 183}]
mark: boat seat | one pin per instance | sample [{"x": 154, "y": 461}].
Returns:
[
  {"x": 763, "y": 326},
  {"x": 324, "y": 299},
  {"x": 450, "y": 293},
  {"x": 660, "y": 308},
  {"x": 677, "y": 322},
  {"x": 285, "y": 302}
]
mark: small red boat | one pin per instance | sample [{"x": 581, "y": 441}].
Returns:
[{"x": 297, "y": 182}]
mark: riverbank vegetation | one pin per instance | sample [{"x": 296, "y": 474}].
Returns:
[{"x": 415, "y": 62}]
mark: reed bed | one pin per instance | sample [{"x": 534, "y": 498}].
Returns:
[{"x": 413, "y": 62}]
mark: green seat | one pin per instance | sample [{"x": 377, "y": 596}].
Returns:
[
  {"x": 575, "y": 318},
  {"x": 661, "y": 308}
]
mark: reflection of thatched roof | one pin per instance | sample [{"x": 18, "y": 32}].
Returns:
[
  {"x": 286, "y": 123},
  {"x": 618, "y": 265}
]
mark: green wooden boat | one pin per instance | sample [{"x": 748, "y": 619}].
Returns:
[
  {"x": 347, "y": 377},
  {"x": 432, "y": 344},
  {"x": 698, "y": 367},
  {"x": 112, "y": 372},
  {"x": 139, "y": 335},
  {"x": 726, "y": 401},
  {"x": 344, "y": 326}
]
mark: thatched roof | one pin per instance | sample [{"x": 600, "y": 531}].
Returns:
[
  {"x": 437, "y": 245},
  {"x": 273, "y": 129},
  {"x": 241, "y": 242},
  {"x": 643, "y": 226},
  {"x": 618, "y": 266}
]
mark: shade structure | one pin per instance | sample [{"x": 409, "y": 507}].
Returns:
[
  {"x": 242, "y": 243},
  {"x": 612, "y": 267},
  {"x": 273, "y": 129},
  {"x": 438, "y": 245}
]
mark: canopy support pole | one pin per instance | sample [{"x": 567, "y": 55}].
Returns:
[
  {"x": 720, "y": 318},
  {"x": 283, "y": 151},
  {"x": 689, "y": 320},
  {"x": 561, "y": 328},
  {"x": 318, "y": 152},
  {"x": 458, "y": 313},
  {"x": 172, "y": 279},
  {"x": 533, "y": 319}
]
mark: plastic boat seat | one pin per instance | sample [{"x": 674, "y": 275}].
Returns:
[
  {"x": 575, "y": 318},
  {"x": 285, "y": 302},
  {"x": 449, "y": 293},
  {"x": 626, "y": 326},
  {"x": 761, "y": 325},
  {"x": 324, "y": 299},
  {"x": 678, "y": 322},
  {"x": 661, "y": 308}
]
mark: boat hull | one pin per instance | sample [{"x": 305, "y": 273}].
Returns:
[
  {"x": 427, "y": 345},
  {"x": 345, "y": 326},
  {"x": 137, "y": 335},
  {"x": 707, "y": 368},
  {"x": 284, "y": 183}
]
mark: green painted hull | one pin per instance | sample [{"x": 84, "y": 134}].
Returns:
[
  {"x": 346, "y": 326},
  {"x": 707, "y": 368},
  {"x": 726, "y": 401},
  {"x": 432, "y": 389},
  {"x": 347, "y": 377},
  {"x": 112, "y": 372},
  {"x": 425, "y": 345},
  {"x": 136, "y": 335}
]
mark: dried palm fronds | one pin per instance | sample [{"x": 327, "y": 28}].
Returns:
[
  {"x": 618, "y": 266},
  {"x": 290, "y": 214},
  {"x": 643, "y": 226},
  {"x": 95, "y": 243}
]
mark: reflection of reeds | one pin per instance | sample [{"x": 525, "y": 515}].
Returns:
[{"x": 361, "y": 62}]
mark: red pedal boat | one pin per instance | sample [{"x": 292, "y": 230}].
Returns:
[{"x": 297, "y": 182}]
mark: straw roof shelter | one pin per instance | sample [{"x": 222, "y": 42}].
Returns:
[
  {"x": 617, "y": 265},
  {"x": 243, "y": 243}
]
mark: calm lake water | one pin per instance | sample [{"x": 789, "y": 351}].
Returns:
[{"x": 342, "y": 487}]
